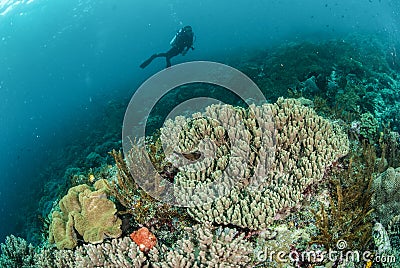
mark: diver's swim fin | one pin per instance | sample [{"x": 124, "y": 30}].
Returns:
[{"x": 148, "y": 61}]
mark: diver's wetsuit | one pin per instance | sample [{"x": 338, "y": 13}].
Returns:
[
  {"x": 181, "y": 44},
  {"x": 174, "y": 51}
]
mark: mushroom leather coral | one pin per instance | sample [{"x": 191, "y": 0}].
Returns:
[
  {"x": 144, "y": 239},
  {"x": 89, "y": 212}
]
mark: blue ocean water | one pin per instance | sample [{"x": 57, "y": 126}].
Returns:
[{"x": 63, "y": 62}]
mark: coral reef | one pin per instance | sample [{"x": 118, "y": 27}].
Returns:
[
  {"x": 279, "y": 239},
  {"x": 268, "y": 177},
  {"x": 390, "y": 146},
  {"x": 381, "y": 238},
  {"x": 393, "y": 230},
  {"x": 88, "y": 212},
  {"x": 280, "y": 150},
  {"x": 93, "y": 160},
  {"x": 386, "y": 200},
  {"x": 352, "y": 76},
  {"x": 132, "y": 172},
  {"x": 390, "y": 256},
  {"x": 205, "y": 246},
  {"x": 202, "y": 246},
  {"x": 16, "y": 253},
  {"x": 116, "y": 253},
  {"x": 289, "y": 65},
  {"x": 348, "y": 215},
  {"x": 368, "y": 127},
  {"x": 124, "y": 187},
  {"x": 143, "y": 209}
]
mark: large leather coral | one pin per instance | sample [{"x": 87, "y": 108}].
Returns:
[{"x": 87, "y": 211}]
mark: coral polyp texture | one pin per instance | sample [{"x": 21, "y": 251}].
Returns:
[
  {"x": 386, "y": 199},
  {"x": 121, "y": 252},
  {"x": 200, "y": 246},
  {"x": 253, "y": 164},
  {"x": 205, "y": 246},
  {"x": 88, "y": 212},
  {"x": 16, "y": 252}
]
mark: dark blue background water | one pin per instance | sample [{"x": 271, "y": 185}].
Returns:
[{"x": 61, "y": 62}]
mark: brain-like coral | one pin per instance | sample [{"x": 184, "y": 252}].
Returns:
[
  {"x": 248, "y": 166},
  {"x": 87, "y": 211}
]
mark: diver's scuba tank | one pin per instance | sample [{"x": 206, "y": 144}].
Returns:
[{"x": 174, "y": 38}]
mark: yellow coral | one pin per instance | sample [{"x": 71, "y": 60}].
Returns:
[
  {"x": 92, "y": 178},
  {"x": 62, "y": 232},
  {"x": 88, "y": 212},
  {"x": 98, "y": 218}
]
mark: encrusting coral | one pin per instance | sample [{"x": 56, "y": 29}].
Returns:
[
  {"x": 281, "y": 238},
  {"x": 259, "y": 161},
  {"x": 386, "y": 199},
  {"x": 87, "y": 211},
  {"x": 144, "y": 239}
]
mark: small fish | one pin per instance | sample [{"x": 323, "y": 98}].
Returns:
[{"x": 192, "y": 156}]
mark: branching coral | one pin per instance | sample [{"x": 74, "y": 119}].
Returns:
[
  {"x": 258, "y": 163},
  {"x": 205, "y": 246},
  {"x": 16, "y": 253},
  {"x": 202, "y": 246},
  {"x": 116, "y": 253}
]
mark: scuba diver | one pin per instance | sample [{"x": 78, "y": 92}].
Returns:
[{"x": 182, "y": 41}]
